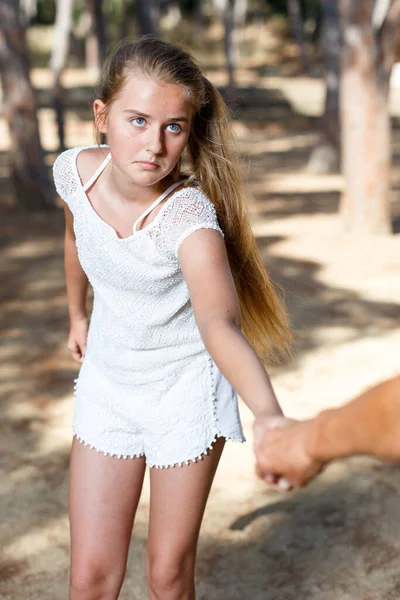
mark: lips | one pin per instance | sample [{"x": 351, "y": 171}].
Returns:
[{"x": 147, "y": 166}]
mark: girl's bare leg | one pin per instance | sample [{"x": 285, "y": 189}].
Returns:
[
  {"x": 104, "y": 493},
  {"x": 177, "y": 502}
]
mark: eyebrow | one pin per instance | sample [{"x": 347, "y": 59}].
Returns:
[{"x": 140, "y": 114}]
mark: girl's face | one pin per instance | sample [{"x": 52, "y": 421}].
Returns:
[{"x": 147, "y": 128}]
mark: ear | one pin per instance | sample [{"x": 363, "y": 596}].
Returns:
[{"x": 100, "y": 116}]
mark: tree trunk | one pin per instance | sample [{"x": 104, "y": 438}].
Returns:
[
  {"x": 331, "y": 45},
  {"x": 198, "y": 16},
  {"x": 124, "y": 24},
  {"x": 229, "y": 47},
  {"x": 96, "y": 8},
  {"x": 28, "y": 10},
  {"x": 368, "y": 57},
  {"x": 62, "y": 32},
  {"x": 325, "y": 156},
  {"x": 296, "y": 22},
  {"x": 147, "y": 13},
  {"x": 28, "y": 170},
  {"x": 87, "y": 27},
  {"x": 233, "y": 14}
]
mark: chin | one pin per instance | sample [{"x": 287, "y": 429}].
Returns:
[{"x": 147, "y": 179}]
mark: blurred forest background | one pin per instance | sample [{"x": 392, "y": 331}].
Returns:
[{"x": 314, "y": 91}]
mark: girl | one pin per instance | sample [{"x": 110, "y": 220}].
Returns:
[{"x": 164, "y": 350}]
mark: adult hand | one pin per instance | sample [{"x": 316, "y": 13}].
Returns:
[{"x": 283, "y": 453}]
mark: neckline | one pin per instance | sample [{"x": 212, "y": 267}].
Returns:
[{"x": 135, "y": 232}]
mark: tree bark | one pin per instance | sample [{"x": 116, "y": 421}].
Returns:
[
  {"x": 331, "y": 45},
  {"x": 229, "y": 44},
  {"x": 233, "y": 14},
  {"x": 28, "y": 170},
  {"x": 198, "y": 16},
  {"x": 62, "y": 32},
  {"x": 124, "y": 23},
  {"x": 324, "y": 157},
  {"x": 28, "y": 10},
  {"x": 147, "y": 16},
  {"x": 96, "y": 8},
  {"x": 368, "y": 57},
  {"x": 92, "y": 26},
  {"x": 296, "y": 22}
]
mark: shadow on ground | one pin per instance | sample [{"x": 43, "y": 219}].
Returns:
[{"x": 307, "y": 544}]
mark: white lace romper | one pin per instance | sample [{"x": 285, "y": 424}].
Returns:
[{"x": 147, "y": 385}]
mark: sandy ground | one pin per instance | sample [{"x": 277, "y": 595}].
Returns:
[{"x": 338, "y": 539}]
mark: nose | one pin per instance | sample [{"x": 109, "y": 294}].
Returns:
[{"x": 155, "y": 141}]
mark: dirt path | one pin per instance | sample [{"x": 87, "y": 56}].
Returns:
[{"x": 339, "y": 539}]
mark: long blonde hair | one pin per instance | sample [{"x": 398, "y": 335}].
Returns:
[{"x": 212, "y": 164}]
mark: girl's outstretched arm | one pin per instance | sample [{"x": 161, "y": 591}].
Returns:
[
  {"x": 205, "y": 266},
  {"x": 77, "y": 285}
]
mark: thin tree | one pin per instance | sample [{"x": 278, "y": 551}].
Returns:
[
  {"x": 96, "y": 8},
  {"x": 296, "y": 22},
  {"x": 92, "y": 28},
  {"x": 124, "y": 20},
  {"x": 26, "y": 158},
  {"x": 370, "y": 34},
  {"x": 28, "y": 10},
  {"x": 233, "y": 13},
  {"x": 229, "y": 43},
  {"x": 198, "y": 17},
  {"x": 147, "y": 13},
  {"x": 324, "y": 157},
  {"x": 62, "y": 33}
]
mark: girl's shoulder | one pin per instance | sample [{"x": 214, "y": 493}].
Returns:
[
  {"x": 81, "y": 160},
  {"x": 75, "y": 166},
  {"x": 88, "y": 160},
  {"x": 190, "y": 197},
  {"x": 186, "y": 211}
]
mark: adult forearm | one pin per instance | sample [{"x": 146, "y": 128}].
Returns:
[
  {"x": 370, "y": 424},
  {"x": 239, "y": 363},
  {"x": 76, "y": 280}
]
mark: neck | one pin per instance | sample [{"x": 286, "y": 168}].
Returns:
[{"x": 128, "y": 191}]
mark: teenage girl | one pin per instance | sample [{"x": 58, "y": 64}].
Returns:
[{"x": 177, "y": 278}]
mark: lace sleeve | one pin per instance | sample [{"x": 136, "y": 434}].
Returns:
[
  {"x": 64, "y": 175},
  {"x": 186, "y": 212}
]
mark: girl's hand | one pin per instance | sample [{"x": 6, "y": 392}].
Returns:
[
  {"x": 283, "y": 455},
  {"x": 266, "y": 421},
  {"x": 262, "y": 424},
  {"x": 77, "y": 338}
]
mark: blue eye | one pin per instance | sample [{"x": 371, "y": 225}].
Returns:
[
  {"x": 176, "y": 126},
  {"x": 139, "y": 121}
]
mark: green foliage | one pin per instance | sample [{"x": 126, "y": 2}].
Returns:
[
  {"x": 46, "y": 12},
  {"x": 307, "y": 6},
  {"x": 277, "y": 6}
]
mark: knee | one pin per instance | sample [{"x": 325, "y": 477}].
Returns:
[
  {"x": 95, "y": 583},
  {"x": 168, "y": 578}
]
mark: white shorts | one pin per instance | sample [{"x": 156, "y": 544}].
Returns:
[{"x": 171, "y": 423}]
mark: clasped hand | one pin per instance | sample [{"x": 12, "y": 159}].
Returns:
[{"x": 282, "y": 455}]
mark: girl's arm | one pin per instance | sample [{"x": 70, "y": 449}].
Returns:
[
  {"x": 205, "y": 266},
  {"x": 77, "y": 285}
]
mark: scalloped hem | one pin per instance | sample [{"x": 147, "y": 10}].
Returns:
[
  {"x": 89, "y": 445},
  {"x": 196, "y": 458},
  {"x": 160, "y": 466}
]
